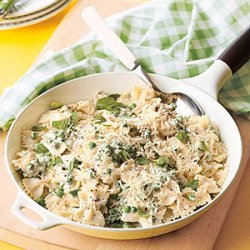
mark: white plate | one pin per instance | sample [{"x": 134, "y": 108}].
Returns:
[
  {"x": 34, "y": 18},
  {"x": 26, "y": 7},
  {"x": 10, "y": 20}
]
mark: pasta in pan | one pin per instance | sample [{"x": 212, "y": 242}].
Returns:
[{"x": 122, "y": 160}]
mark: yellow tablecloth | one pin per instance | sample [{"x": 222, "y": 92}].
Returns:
[
  {"x": 20, "y": 47},
  {"x": 18, "y": 50}
]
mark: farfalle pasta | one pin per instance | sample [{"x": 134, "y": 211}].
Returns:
[{"x": 125, "y": 160}]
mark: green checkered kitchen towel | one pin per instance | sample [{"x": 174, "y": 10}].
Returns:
[{"x": 177, "y": 38}]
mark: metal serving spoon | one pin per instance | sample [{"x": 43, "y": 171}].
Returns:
[{"x": 185, "y": 105}]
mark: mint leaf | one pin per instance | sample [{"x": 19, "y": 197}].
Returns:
[
  {"x": 109, "y": 103},
  {"x": 193, "y": 184},
  {"x": 74, "y": 193},
  {"x": 142, "y": 160},
  {"x": 41, "y": 149},
  {"x": 62, "y": 124}
]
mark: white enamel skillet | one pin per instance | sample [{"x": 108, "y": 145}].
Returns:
[{"x": 203, "y": 89}]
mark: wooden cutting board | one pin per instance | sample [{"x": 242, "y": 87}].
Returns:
[{"x": 201, "y": 234}]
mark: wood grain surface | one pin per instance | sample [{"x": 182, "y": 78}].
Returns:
[{"x": 200, "y": 234}]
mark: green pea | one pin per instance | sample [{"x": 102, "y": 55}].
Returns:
[
  {"x": 126, "y": 209},
  {"x": 92, "y": 145},
  {"x": 191, "y": 196},
  {"x": 202, "y": 146},
  {"x": 134, "y": 209},
  {"x": 33, "y": 135}
]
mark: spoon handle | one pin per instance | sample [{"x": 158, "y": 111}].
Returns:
[
  {"x": 238, "y": 52},
  {"x": 115, "y": 44},
  {"x": 100, "y": 27}
]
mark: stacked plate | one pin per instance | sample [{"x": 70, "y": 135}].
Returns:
[{"x": 27, "y": 12}]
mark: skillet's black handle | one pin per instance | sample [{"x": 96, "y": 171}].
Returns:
[{"x": 238, "y": 52}]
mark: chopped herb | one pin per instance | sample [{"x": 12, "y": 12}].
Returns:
[
  {"x": 62, "y": 124},
  {"x": 157, "y": 186},
  {"x": 147, "y": 134},
  {"x": 60, "y": 192},
  {"x": 191, "y": 196},
  {"x": 54, "y": 160},
  {"x": 182, "y": 136},
  {"x": 57, "y": 160},
  {"x": 74, "y": 193},
  {"x": 108, "y": 171},
  {"x": 143, "y": 213},
  {"x": 132, "y": 106},
  {"x": 121, "y": 152},
  {"x": 92, "y": 173},
  {"x": 92, "y": 145},
  {"x": 55, "y": 105},
  {"x": 142, "y": 160},
  {"x": 98, "y": 119},
  {"x": 113, "y": 216},
  {"x": 30, "y": 166},
  {"x": 114, "y": 196},
  {"x": 178, "y": 122},
  {"x": 37, "y": 128},
  {"x": 193, "y": 184},
  {"x": 34, "y": 135},
  {"x": 162, "y": 161},
  {"x": 173, "y": 106},
  {"x": 41, "y": 202},
  {"x": 133, "y": 132},
  {"x": 74, "y": 118},
  {"x": 125, "y": 155},
  {"x": 153, "y": 219},
  {"x": 126, "y": 209},
  {"x": 202, "y": 146},
  {"x": 41, "y": 149},
  {"x": 74, "y": 164},
  {"x": 134, "y": 209}
]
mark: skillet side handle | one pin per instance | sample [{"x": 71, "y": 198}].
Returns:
[
  {"x": 47, "y": 222},
  {"x": 238, "y": 52}
]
